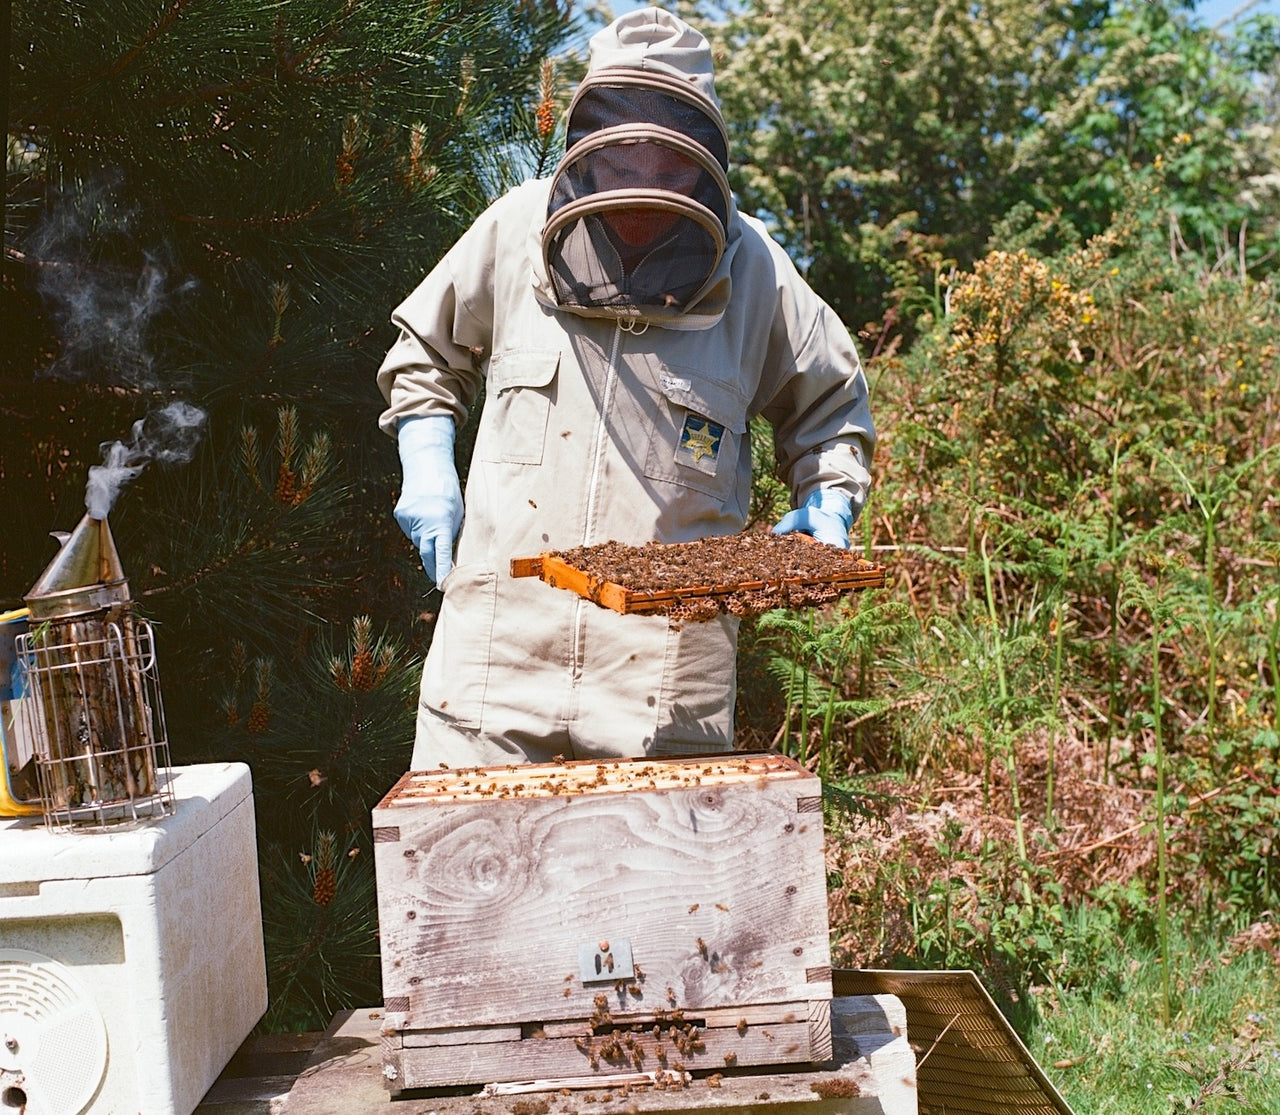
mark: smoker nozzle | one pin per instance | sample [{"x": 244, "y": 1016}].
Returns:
[{"x": 83, "y": 576}]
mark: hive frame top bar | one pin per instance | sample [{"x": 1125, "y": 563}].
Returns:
[{"x": 589, "y": 776}]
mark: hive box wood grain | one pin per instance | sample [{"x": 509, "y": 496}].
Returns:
[{"x": 579, "y": 918}]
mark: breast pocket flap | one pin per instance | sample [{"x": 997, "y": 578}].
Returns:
[
  {"x": 704, "y": 397},
  {"x": 522, "y": 369}
]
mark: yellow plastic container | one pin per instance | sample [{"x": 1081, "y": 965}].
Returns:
[{"x": 19, "y": 794}]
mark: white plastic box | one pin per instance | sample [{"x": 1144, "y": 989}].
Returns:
[{"x": 131, "y": 960}]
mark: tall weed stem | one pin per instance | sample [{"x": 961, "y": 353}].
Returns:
[
  {"x": 1162, "y": 870},
  {"x": 1005, "y": 733}
]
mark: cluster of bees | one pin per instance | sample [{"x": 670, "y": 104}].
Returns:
[
  {"x": 621, "y": 1044},
  {"x": 473, "y": 784}
]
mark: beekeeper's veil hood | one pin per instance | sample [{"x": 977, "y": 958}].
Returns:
[{"x": 640, "y": 211}]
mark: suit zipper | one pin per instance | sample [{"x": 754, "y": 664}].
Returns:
[{"x": 589, "y": 523}]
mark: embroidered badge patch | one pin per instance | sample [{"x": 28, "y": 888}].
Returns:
[{"x": 699, "y": 443}]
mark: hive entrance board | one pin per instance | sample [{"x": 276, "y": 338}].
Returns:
[
  {"x": 743, "y": 574},
  {"x": 697, "y": 884}
]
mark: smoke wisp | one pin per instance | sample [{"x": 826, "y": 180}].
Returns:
[
  {"x": 169, "y": 435},
  {"x": 102, "y": 288}
]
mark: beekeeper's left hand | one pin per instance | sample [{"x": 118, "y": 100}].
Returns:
[{"x": 827, "y": 515}]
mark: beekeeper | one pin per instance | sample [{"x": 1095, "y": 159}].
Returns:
[{"x": 626, "y": 323}]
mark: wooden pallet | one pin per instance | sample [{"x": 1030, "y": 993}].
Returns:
[
  {"x": 555, "y": 571},
  {"x": 872, "y": 1072}
]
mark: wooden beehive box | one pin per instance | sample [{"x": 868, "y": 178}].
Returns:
[{"x": 588, "y": 918}]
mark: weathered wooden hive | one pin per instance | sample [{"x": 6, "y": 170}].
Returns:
[{"x": 589, "y": 918}]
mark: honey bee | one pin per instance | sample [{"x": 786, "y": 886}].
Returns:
[
  {"x": 722, "y": 906},
  {"x": 742, "y": 1026},
  {"x": 635, "y": 990},
  {"x": 694, "y": 908},
  {"x": 702, "y": 948},
  {"x": 730, "y": 1058},
  {"x": 567, "y": 992},
  {"x": 789, "y": 1050}
]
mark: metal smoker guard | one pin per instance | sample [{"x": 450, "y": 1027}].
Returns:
[{"x": 94, "y": 712}]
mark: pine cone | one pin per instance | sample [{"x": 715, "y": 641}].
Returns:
[
  {"x": 286, "y": 485},
  {"x": 363, "y": 673},
  {"x": 259, "y": 717},
  {"x": 325, "y": 886}
]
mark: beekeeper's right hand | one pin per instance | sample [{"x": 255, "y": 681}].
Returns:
[{"x": 429, "y": 510}]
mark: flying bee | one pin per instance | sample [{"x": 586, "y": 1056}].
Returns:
[{"x": 694, "y": 908}]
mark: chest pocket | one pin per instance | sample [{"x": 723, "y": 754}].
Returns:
[
  {"x": 520, "y": 389},
  {"x": 699, "y": 426}
]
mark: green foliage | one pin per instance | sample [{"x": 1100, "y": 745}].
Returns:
[
  {"x": 1077, "y": 500},
  {"x": 811, "y": 659},
  {"x": 882, "y": 141},
  {"x": 223, "y": 203},
  {"x": 320, "y": 928},
  {"x": 1219, "y": 1054}
]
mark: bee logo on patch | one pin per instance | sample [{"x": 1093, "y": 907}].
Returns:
[{"x": 700, "y": 440}]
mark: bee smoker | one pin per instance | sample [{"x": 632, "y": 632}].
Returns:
[
  {"x": 93, "y": 711},
  {"x": 19, "y": 794}
]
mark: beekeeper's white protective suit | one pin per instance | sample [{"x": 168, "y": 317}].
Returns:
[{"x": 626, "y": 324}]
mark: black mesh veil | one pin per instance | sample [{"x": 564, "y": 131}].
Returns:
[{"x": 639, "y": 205}]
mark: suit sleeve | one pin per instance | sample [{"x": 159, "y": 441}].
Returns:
[
  {"x": 446, "y": 329},
  {"x": 818, "y": 401}
]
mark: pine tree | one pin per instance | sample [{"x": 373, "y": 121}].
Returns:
[{"x": 219, "y": 205}]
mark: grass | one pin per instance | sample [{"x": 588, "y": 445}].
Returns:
[{"x": 1106, "y": 1051}]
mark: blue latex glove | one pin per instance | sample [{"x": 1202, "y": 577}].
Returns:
[
  {"x": 827, "y": 514},
  {"x": 429, "y": 510}
]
